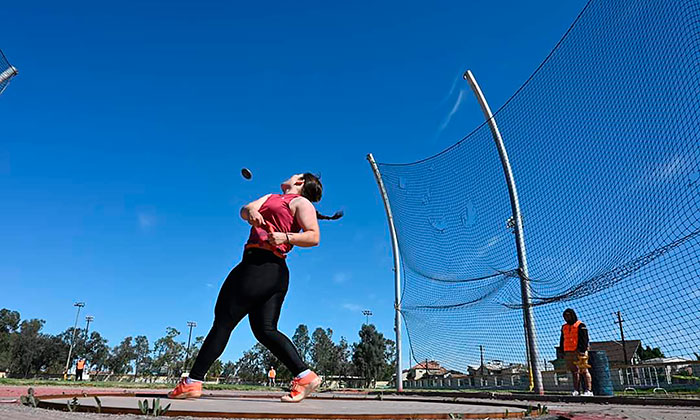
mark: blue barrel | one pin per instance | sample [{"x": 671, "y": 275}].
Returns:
[{"x": 600, "y": 373}]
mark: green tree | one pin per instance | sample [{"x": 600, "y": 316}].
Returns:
[
  {"x": 229, "y": 370},
  {"x": 248, "y": 367},
  {"x": 97, "y": 351},
  {"x": 9, "y": 324},
  {"x": 122, "y": 355},
  {"x": 168, "y": 353},
  {"x": 369, "y": 355},
  {"x": 268, "y": 360},
  {"x": 323, "y": 351},
  {"x": 216, "y": 368},
  {"x": 302, "y": 341},
  {"x": 389, "y": 360},
  {"x": 52, "y": 354},
  {"x": 342, "y": 361},
  {"x": 194, "y": 351},
  {"x": 67, "y": 337},
  {"x": 649, "y": 353},
  {"x": 27, "y": 348},
  {"x": 142, "y": 360}
]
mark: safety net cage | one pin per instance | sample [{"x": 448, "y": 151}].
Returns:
[{"x": 603, "y": 140}]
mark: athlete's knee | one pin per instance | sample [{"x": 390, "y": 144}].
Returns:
[
  {"x": 265, "y": 333},
  {"x": 223, "y": 323}
]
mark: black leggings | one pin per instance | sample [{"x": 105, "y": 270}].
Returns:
[{"x": 256, "y": 287}]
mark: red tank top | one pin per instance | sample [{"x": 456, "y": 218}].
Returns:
[{"x": 279, "y": 218}]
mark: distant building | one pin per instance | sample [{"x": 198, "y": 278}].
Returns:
[
  {"x": 615, "y": 352},
  {"x": 425, "y": 370},
  {"x": 496, "y": 367}
]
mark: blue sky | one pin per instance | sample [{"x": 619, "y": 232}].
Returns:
[{"x": 122, "y": 139}]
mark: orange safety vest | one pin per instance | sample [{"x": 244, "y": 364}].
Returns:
[
  {"x": 81, "y": 364},
  {"x": 570, "y": 336},
  {"x": 271, "y": 374}
]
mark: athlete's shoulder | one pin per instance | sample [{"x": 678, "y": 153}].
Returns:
[{"x": 301, "y": 200}]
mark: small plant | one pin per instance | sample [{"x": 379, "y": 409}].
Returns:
[
  {"x": 456, "y": 416},
  {"x": 540, "y": 410},
  {"x": 73, "y": 404},
  {"x": 29, "y": 399},
  {"x": 155, "y": 411},
  {"x": 99, "y": 404}
]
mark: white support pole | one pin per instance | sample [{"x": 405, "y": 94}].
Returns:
[
  {"x": 8, "y": 74},
  {"x": 397, "y": 272},
  {"x": 528, "y": 318}
]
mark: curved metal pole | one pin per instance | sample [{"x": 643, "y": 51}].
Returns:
[
  {"x": 7, "y": 74},
  {"x": 528, "y": 317},
  {"x": 397, "y": 271}
]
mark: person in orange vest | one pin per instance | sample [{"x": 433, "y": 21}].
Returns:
[
  {"x": 271, "y": 375},
  {"x": 79, "y": 367},
  {"x": 573, "y": 342}
]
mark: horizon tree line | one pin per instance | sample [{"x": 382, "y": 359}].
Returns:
[{"x": 26, "y": 351}]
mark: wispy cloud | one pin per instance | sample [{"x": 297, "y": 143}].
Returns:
[
  {"x": 452, "y": 89},
  {"x": 484, "y": 249},
  {"x": 352, "y": 307},
  {"x": 341, "y": 277},
  {"x": 452, "y": 112},
  {"x": 211, "y": 285},
  {"x": 669, "y": 168},
  {"x": 146, "y": 220}
]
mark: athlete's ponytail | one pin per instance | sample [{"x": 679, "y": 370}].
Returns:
[
  {"x": 337, "y": 215},
  {"x": 313, "y": 190}
]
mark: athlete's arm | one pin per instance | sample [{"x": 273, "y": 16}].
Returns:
[
  {"x": 560, "y": 349},
  {"x": 251, "y": 212},
  {"x": 305, "y": 214},
  {"x": 583, "y": 339}
]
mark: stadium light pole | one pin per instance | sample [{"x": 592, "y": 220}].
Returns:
[
  {"x": 88, "y": 320},
  {"x": 190, "y": 324},
  {"x": 72, "y": 340},
  {"x": 397, "y": 271},
  {"x": 528, "y": 317},
  {"x": 367, "y": 313}
]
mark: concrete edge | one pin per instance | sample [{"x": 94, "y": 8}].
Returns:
[{"x": 680, "y": 402}]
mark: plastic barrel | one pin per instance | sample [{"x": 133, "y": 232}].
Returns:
[{"x": 600, "y": 373}]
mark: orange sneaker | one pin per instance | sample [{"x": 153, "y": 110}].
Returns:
[
  {"x": 302, "y": 387},
  {"x": 186, "y": 390}
]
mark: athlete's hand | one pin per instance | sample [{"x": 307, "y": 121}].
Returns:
[
  {"x": 277, "y": 238},
  {"x": 255, "y": 218}
]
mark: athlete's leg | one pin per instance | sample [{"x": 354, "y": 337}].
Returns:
[
  {"x": 257, "y": 277},
  {"x": 263, "y": 322},
  {"x": 228, "y": 312}
]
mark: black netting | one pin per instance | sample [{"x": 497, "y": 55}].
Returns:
[{"x": 604, "y": 142}]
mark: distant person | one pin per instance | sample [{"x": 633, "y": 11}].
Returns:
[
  {"x": 79, "y": 367},
  {"x": 271, "y": 375},
  {"x": 573, "y": 342},
  {"x": 258, "y": 285}
]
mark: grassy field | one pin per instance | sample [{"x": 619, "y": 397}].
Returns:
[{"x": 127, "y": 385}]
